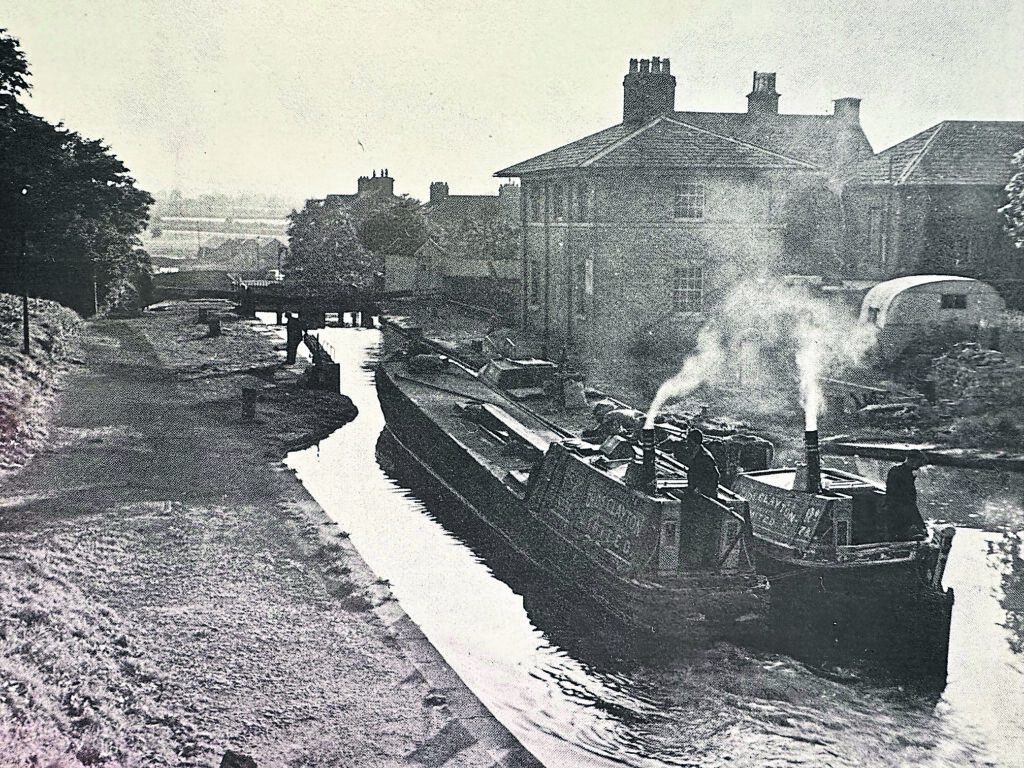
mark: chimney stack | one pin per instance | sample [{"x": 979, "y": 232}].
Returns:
[
  {"x": 647, "y": 445},
  {"x": 438, "y": 192},
  {"x": 847, "y": 110},
  {"x": 648, "y": 90},
  {"x": 813, "y": 455},
  {"x": 763, "y": 99}
]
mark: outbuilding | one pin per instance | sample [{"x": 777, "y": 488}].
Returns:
[{"x": 905, "y": 308}]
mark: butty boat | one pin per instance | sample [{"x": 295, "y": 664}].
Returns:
[
  {"x": 842, "y": 581},
  {"x": 614, "y": 523}
]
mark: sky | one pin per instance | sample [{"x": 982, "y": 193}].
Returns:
[{"x": 301, "y": 98}]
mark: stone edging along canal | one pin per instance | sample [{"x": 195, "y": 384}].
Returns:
[{"x": 472, "y": 736}]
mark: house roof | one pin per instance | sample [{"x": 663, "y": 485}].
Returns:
[
  {"x": 701, "y": 139},
  {"x": 950, "y": 152},
  {"x": 453, "y": 209}
]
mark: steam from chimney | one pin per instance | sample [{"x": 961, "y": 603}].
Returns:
[
  {"x": 811, "y": 347},
  {"x": 781, "y": 323}
]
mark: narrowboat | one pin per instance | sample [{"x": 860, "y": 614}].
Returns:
[
  {"x": 844, "y": 584},
  {"x": 613, "y": 522}
]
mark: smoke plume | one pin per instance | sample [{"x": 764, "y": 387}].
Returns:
[{"x": 779, "y": 326}]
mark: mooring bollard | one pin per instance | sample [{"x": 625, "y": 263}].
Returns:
[
  {"x": 249, "y": 396},
  {"x": 214, "y": 326}
]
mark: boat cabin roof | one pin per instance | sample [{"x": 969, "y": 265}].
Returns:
[
  {"x": 520, "y": 377},
  {"x": 832, "y": 480}
]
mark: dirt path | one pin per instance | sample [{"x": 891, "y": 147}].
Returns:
[{"x": 172, "y": 592}]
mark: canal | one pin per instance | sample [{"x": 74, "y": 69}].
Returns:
[{"x": 558, "y": 681}]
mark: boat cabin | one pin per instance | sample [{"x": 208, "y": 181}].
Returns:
[
  {"x": 521, "y": 379},
  {"x": 848, "y": 511}
]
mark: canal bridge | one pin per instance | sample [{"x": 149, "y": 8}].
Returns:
[{"x": 310, "y": 302}]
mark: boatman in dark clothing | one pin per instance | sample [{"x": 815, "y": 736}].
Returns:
[
  {"x": 294, "y": 337},
  {"x": 906, "y": 523},
  {"x": 702, "y": 471}
]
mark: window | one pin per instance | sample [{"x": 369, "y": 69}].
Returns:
[
  {"x": 954, "y": 301},
  {"x": 688, "y": 289},
  {"x": 876, "y": 236},
  {"x": 558, "y": 202},
  {"x": 534, "y": 282},
  {"x": 689, "y": 200},
  {"x": 536, "y": 205},
  {"x": 579, "y": 288},
  {"x": 582, "y": 209}
]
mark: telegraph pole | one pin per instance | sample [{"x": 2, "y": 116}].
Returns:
[
  {"x": 24, "y": 274},
  {"x": 24, "y": 289}
]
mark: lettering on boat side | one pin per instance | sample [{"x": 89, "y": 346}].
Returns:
[
  {"x": 781, "y": 513},
  {"x": 609, "y": 521}
]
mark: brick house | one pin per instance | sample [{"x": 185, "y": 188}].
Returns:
[
  {"x": 646, "y": 224},
  {"x": 464, "y": 257},
  {"x": 930, "y": 204}
]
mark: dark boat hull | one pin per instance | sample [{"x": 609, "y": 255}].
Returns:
[
  {"x": 689, "y": 608},
  {"x": 882, "y": 618}
]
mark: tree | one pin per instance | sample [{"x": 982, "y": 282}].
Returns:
[
  {"x": 397, "y": 229},
  {"x": 324, "y": 248},
  {"x": 14, "y": 72},
  {"x": 346, "y": 243},
  {"x": 1013, "y": 211},
  {"x": 70, "y": 214}
]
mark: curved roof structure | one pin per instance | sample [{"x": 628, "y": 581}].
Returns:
[{"x": 884, "y": 294}]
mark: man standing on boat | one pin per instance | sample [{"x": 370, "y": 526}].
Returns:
[
  {"x": 702, "y": 471},
  {"x": 901, "y": 498}
]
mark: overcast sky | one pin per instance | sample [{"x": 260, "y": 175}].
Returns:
[{"x": 301, "y": 97}]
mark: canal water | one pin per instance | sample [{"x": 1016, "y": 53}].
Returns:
[{"x": 557, "y": 679}]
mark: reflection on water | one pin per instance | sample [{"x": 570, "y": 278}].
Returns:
[
  {"x": 1011, "y": 564},
  {"x": 557, "y": 677}
]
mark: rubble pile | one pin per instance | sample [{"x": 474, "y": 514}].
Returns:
[{"x": 971, "y": 379}]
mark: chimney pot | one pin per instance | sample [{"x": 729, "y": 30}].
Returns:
[
  {"x": 656, "y": 64},
  {"x": 645, "y": 66},
  {"x": 633, "y": 65},
  {"x": 665, "y": 67}
]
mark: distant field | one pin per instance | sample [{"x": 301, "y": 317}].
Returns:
[{"x": 182, "y": 236}]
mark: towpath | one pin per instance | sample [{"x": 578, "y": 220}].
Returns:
[{"x": 173, "y": 592}]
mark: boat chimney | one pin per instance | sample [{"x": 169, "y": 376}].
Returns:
[
  {"x": 813, "y": 484},
  {"x": 647, "y": 447}
]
